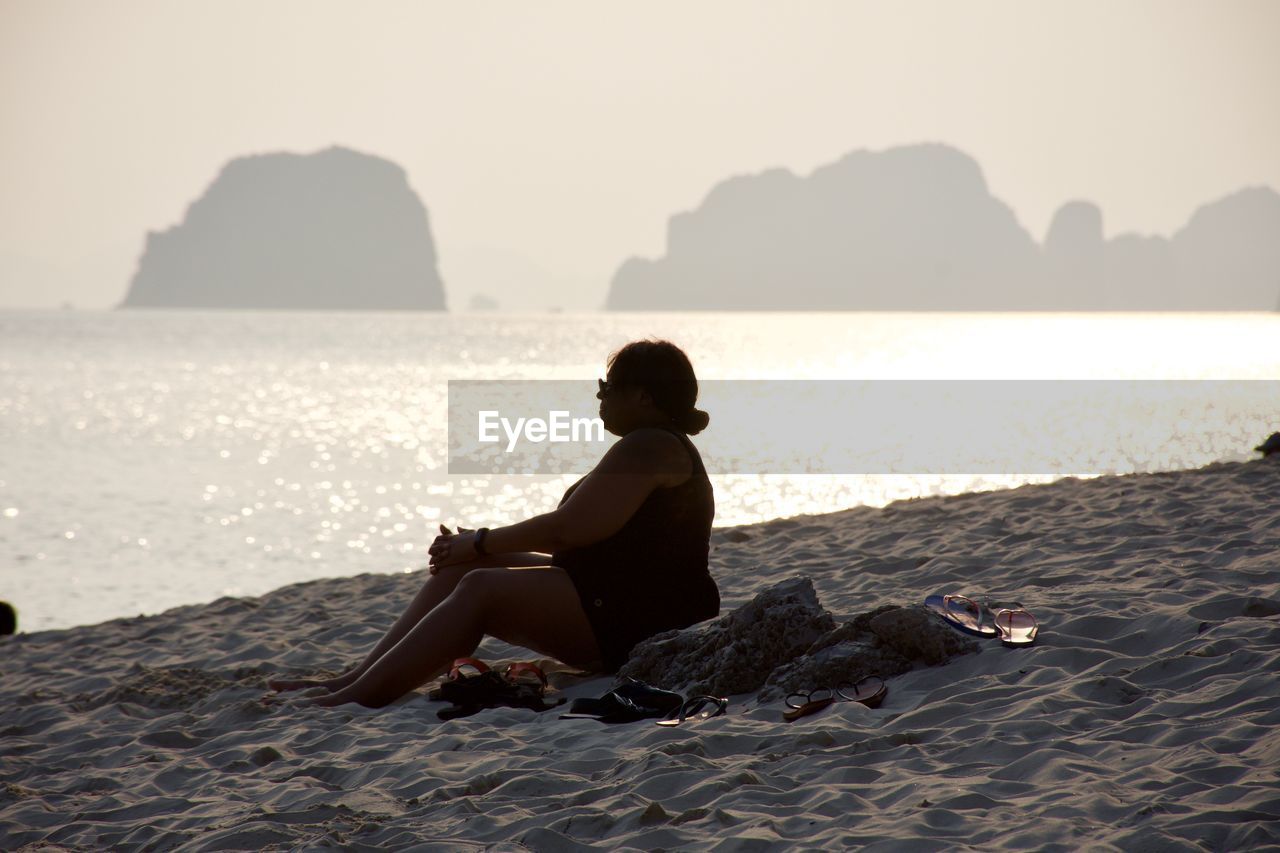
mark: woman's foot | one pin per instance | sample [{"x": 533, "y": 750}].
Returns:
[
  {"x": 297, "y": 700},
  {"x": 340, "y": 697},
  {"x": 281, "y": 685},
  {"x": 365, "y": 694}
]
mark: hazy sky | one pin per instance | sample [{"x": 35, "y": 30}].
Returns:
[{"x": 556, "y": 138}]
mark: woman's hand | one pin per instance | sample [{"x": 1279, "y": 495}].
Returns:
[{"x": 450, "y": 548}]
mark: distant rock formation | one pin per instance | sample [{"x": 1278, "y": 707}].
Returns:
[
  {"x": 1227, "y": 257},
  {"x": 333, "y": 230},
  {"x": 1074, "y": 248},
  {"x": 915, "y": 228},
  {"x": 481, "y": 302},
  {"x": 1138, "y": 274},
  {"x": 908, "y": 227}
]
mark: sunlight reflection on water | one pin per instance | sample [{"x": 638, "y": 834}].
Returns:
[{"x": 180, "y": 456}]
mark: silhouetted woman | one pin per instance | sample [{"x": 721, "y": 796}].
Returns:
[{"x": 623, "y": 556}]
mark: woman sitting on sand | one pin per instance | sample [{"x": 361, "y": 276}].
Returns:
[{"x": 623, "y": 556}]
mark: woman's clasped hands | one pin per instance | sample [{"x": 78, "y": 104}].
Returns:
[{"x": 449, "y": 548}]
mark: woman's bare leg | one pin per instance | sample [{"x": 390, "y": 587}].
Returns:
[
  {"x": 436, "y": 589},
  {"x": 537, "y": 608}
]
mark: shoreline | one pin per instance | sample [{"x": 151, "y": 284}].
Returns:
[
  {"x": 728, "y": 534},
  {"x": 1137, "y": 719}
]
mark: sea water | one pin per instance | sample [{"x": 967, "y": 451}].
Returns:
[{"x": 154, "y": 458}]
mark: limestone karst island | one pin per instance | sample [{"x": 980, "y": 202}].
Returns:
[
  {"x": 333, "y": 230},
  {"x": 909, "y": 228},
  {"x": 916, "y": 228}
]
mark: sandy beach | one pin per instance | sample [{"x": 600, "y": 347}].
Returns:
[{"x": 1147, "y": 717}]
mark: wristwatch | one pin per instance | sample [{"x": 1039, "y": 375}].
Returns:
[{"x": 478, "y": 542}]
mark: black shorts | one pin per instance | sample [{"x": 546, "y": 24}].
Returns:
[{"x": 625, "y": 607}]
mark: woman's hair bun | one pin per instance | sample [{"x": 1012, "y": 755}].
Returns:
[{"x": 694, "y": 421}]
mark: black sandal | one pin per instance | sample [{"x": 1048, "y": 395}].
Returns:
[
  {"x": 695, "y": 708},
  {"x": 630, "y": 701},
  {"x": 487, "y": 689}
]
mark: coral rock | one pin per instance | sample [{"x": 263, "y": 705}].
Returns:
[
  {"x": 737, "y": 652},
  {"x": 783, "y": 640}
]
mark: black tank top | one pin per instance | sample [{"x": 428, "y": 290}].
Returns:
[{"x": 666, "y": 542}]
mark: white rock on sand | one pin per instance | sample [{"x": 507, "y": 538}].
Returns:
[{"x": 1146, "y": 718}]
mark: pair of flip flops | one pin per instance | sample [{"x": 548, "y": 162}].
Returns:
[
  {"x": 635, "y": 700},
  {"x": 1014, "y": 626},
  {"x": 869, "y": 691},
  {"x": 520, "y": 685}
]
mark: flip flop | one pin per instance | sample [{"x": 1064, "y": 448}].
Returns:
[
  {"x": 1018, "y": 628},
  {"x": 869, "y": 691},
  {"x": 810, "y": 705},
  {"x": 962, "y": 613},
  {"x": 695, "y": 708}
]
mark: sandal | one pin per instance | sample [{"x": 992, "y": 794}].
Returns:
[
  {"x": 488, "y": 689},
  {"x": 460, "y": 687},
  {"x": 962, "y": 613},
  {"x": 695, "y": 708},
  {"x": 869, "y": 691},
  {"x": 808, "y": 704},
  {"x": 513, "y": 671},
  {"x": 630, "y": 701},
  {"x": 457, "y": 681},
  {"x": 1018, "y": 628},
  {"x": 455, "y": 671}
]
